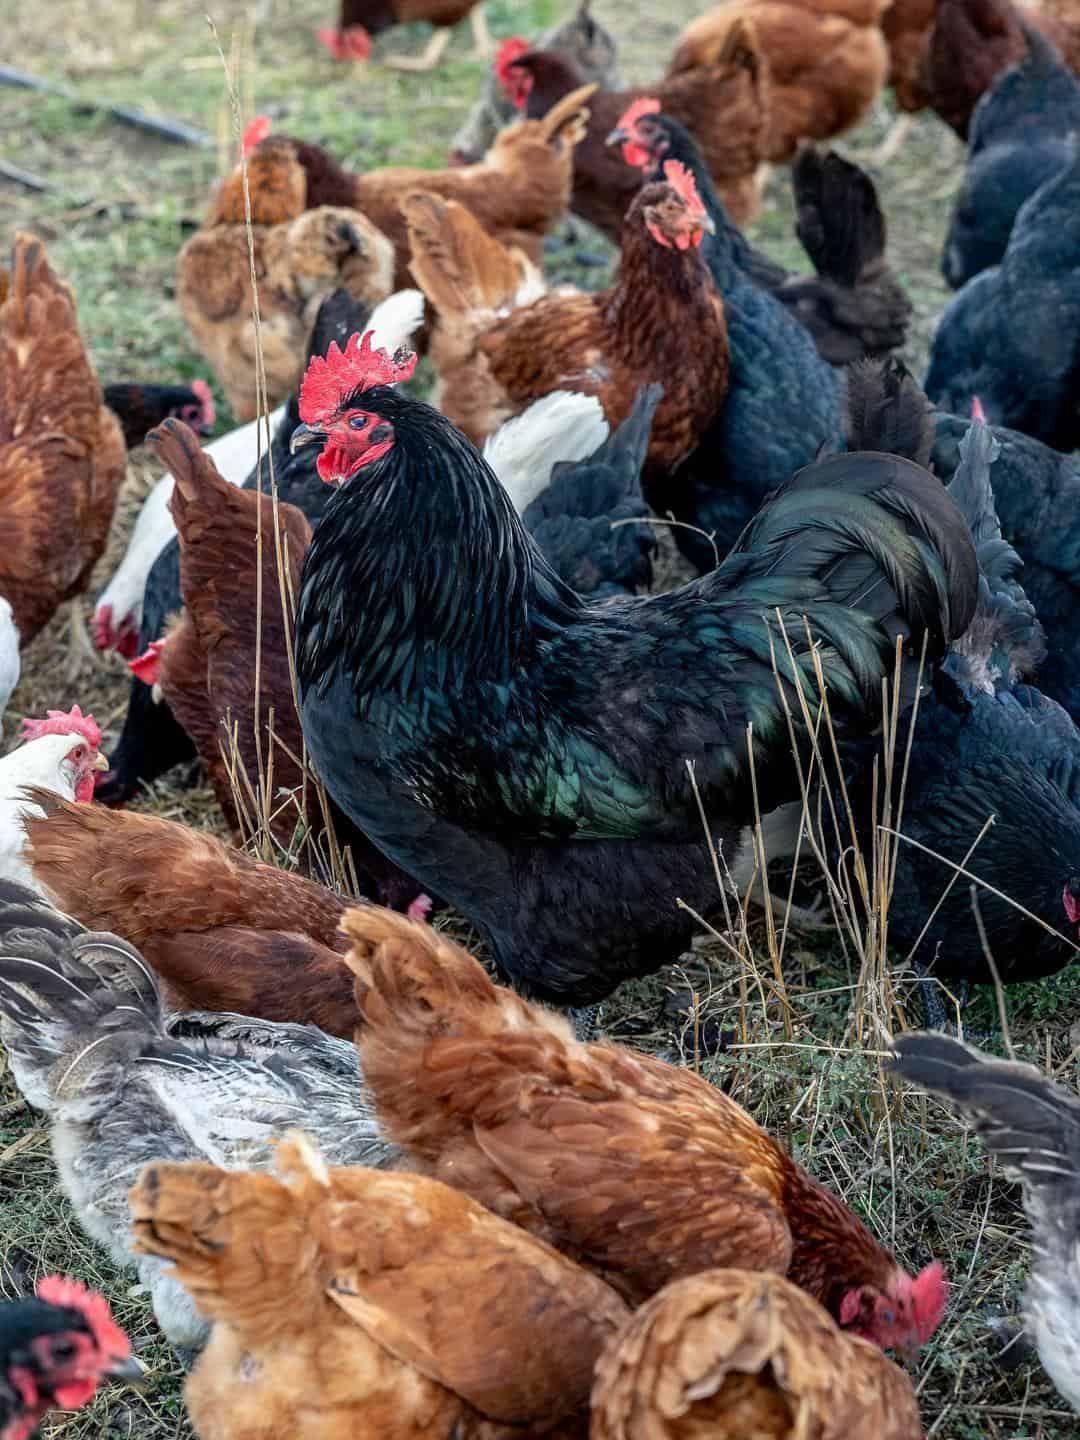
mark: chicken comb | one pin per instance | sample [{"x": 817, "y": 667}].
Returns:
[
  {"x": 202, "y": 392},
  {"x": 509, "y": 51},
  {"x": 643, "y": 105},
  {"x": 682, "y": 182},
  {"x": 61, "y": 722},
  {"x": 977, "y": 411},
  {"x": 329, "y": 383},
  {"x": 254, "y": 135},
  {"x": 73, "y": 1295},
  {"x": 352, "y": 43},
  {"x": 929, "y": 1292}
]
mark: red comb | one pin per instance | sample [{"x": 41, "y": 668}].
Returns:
[
  {"x": 643, "y": 105},
  {"x": 330, "y": 382},
  {"x": 509, "y": 51},
  {"x": 929, "y": 1292},
  {"x": 255, "y": 134},
  {"x": 201, "y": 390},
  {"x": 352, "y": 43},
  {"x": 977, "y": 411},
  {"x": 60, "y": 722},
  {"x": 682, "y": 182},
  {"x": 73, "y": 1295},
  {"x": 147, "y": 666}
]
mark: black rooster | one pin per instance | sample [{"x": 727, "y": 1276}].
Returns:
[
  {"x": 524, "y": 751},
  {"x": 1021, "y": 136},
  {"x": 54, "y": 1350},
  {"x": 755, "y": 443},
  {"x": 1033, "y": 1127}
]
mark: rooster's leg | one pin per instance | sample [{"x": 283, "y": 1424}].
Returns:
[
  {"x": 80, "y": 650},
  {"x": 483, "y": 45},
  {"x": 893, "y": 143},
  {"x": 427, "y": 61}
]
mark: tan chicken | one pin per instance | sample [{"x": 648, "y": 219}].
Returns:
[
  {"x": 350, "y": 1302},
  {"x": 297, "y": 265},
  {"x": 638, "y": 1168},
  {"x": 736, "y": 1355},
  {"x": 827, "y": 61},
  {"x": 500, "y": 344},
  {"x": 62, "y": 451}
]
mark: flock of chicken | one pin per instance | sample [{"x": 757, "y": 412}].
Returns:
[{"x": 367, "y": 1188}]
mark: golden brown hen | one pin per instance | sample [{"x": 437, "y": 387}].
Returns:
[
  {"x": 298, "y": 263},
  {"x": 731, "y": 1354},
  {"x": 633, "y": 1166},
  {"x": 827, "y": 61},
  {"x": 62, "y": 452},
  {"x": 351, "y": 1302},
  {"x": 661, "y": 320}
]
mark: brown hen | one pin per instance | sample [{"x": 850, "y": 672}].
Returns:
[
  {"x": 638, "y": 1168},
  {"x": 299, "y": 261},
  {"x": 735, "y": 1355},
  {"x": 62, "y": 451},
  {"x": 222, "y": 931},
  {"x": 661, "y": 320},
  {"x": 827, "y": 61},
  {"x": 725, "y": 106},
  {"x": 351, "y": 1302}
]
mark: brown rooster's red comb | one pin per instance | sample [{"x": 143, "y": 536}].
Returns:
[
  {"x": 682, "y": 182},
  {"x": 509, "y": 51},
  {"x": 329, "y": 383},
  {"x": 63, "y": 722},
  {"x": 643, "y": 105}
]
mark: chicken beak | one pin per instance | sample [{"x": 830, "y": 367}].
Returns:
[
  {"x": 305, "y": 435},
  {"x": 128, "y": 1370},
  {"x": 708, "y": 224},
  {"x": 618, "y": 137},
  {"x": 100, "y": 762}
]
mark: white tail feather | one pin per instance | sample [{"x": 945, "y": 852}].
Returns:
[{"x": 562, "y": 426}]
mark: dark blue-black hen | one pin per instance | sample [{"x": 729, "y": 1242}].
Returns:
[
  {"x": 1021, "y": 136},
  {"x": 986, "y": 743},
  {"x": 524, "y": 751},
  {"x": 784, "y": 402},
  {"x": 1011, "y": 337}
]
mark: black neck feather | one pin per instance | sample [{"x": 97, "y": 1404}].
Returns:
[{"x": 420, "y": 571}]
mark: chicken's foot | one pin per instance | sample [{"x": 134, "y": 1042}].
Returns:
[
  {"x": 427, "y": 61},
  {"x": 80, "y": 650},
  {"x": 483, "y": 45},
  {"x": 893, "y": 143}
]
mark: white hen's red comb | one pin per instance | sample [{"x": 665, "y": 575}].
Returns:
[{"x": 60, "y": 722}]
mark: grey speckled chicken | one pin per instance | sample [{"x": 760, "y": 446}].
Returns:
[
  {"x": 1032, "y": 1127},
  {"x": 124, "y": 1084}
]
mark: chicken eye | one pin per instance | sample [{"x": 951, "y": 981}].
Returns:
[
  {"x": 888, "y": 1317},
  {"x": 357, "y": 422},
  {"x": 79, "y": 753},
  {"x": 64, "y": 1350}
]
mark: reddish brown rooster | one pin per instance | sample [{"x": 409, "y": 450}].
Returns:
[
  {"x": 662, "y": 320},
  {"x": 636, "y": 1167},
  {"x": 62, "y": 452},
  {"x": 362, "y": 20},
  {"x": 724, "y": 105}
]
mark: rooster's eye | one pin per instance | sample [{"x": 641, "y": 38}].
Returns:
[
  {"x": 63, "y": 1350},
  {"x": 888, "y": 1317},
  {"x": 358, "y": 421}
]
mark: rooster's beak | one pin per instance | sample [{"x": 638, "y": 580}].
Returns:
[
  {"x": 101, "y": 762},
  {"x": 305, "y": 435},
  {"x": 127, "y": 1370},
  {"x": 618, "y": 137},
  {"x": 708, "y": 224}
]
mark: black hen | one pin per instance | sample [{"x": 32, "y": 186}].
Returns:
[
  {"x": 986, "y": 743},
  {"x": 54, "y": 1351},
  {"x": 589, "y": 521},
  {"x": 1037, "y": 496},
  {"x": 1011, "y": 337},
  {"x": 783, "y": 402},
  {"x": 1021, "y": 136},
  {"x": 140, "y": 407},
  {"x": 524, "y": 751},
  {"x": 1032, "y": 1126}
]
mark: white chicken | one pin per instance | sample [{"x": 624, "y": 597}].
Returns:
[
  {"x": 10, "y": 667},
  {"x": 61, "y": 754}
]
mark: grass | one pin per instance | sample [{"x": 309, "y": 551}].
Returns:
[{"x": 116, "y": 211}]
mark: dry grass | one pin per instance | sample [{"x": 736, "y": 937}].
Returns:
[{"x": 791, "y": 1025}]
